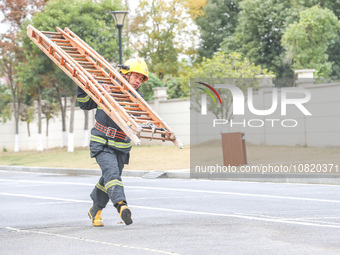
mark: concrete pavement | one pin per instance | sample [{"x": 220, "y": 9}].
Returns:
[
  {"x": 46, "y": 213},
  {"x": 185, "y": 174}
]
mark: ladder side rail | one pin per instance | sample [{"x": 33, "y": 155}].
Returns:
[
  {"x": 143, "y": 104},
  {"x": 95, "y": 95},
  {"x": 128, "y": 120},
  {"x": 95, "y": 54},
  {"x": 80, "y": 44},
  {"x": 85, "y": 51},
  {"x": 125, "y": 86}
]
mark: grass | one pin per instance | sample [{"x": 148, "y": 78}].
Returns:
[
  {"x": 170, "y": 157},
  {"x": 141, "y": 158}
]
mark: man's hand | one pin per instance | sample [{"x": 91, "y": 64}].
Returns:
[{"x": 107, "y": 87}]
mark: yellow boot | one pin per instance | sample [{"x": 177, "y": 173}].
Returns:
[
  {"x": 125, "y": 213},
  {"x": 96, "y": 218}
]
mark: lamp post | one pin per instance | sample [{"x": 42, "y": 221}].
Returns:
[{"x": 119, "y": 17}]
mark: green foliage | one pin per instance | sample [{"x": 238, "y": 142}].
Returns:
[
  {"x": 90, "y": 20},
  {"x": 5, "y": 103},
  {"x": 147, "y": 87},
  {"x": 225, "y": 69},
  {"x": 260, "y": 27},
  {"x": 218, "y": 22},
  {"x": 154, "y": 28},
  {"x": 259, "y": 31},
  {"x": 174, "y": 85},
  {"x": 223, "y": 65},
  {"x": 307, "y": 41}
]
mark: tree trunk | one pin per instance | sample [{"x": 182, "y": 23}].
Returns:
[
  {"x": 16, "y": 100},
  {"x": 47, "y": 122},
  {"x": 29, "y": 136},
  {"x": 70, "y": 136},
  {"x": 63, "y": 115},
  {"x": 86, "y": 129},
  {"x": 40, "y": 138}
]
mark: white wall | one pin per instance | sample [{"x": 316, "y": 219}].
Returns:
[
  {"x": 321, "y": 129},
  {"x": 174, "y": 112}
]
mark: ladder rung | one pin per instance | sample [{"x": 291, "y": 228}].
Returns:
[
  {"x": 66, "y": 43},
  {"x": 114, "y": 95},
  {"x": 156, "y": 131},
  {"x": 75, "y": 55},
  {"x": 144, "y": 121},
  {"x": 93, "y": 71},
  {"x": 101, "y": 76},
  {"x": 114, "y": 89},
  {"x": 86, "y": 63},
  {"x": 50, "y": 33},
  {"x": 143, "y": 118},
  {"x": 138, "y": 112},
  {"x": 76, "y": 59},
  {"x": 60, "y": 40},
  {"x": 128, "y": 103},
  {"x": 132, "y": 108},
  {"x": 69, "y": 51},
  {"x": 120, "y": 99},
  {"x": 103, "y": 81},
  {"x": 68, "y": 47},
  {"x": 155, "y": 138}
]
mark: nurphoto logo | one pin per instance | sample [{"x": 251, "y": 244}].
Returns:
[{"x": 294, "y": 96}]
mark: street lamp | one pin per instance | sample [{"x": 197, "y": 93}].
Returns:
[{"x": 119, "y": 17}]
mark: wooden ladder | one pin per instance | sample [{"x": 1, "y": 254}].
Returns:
[{"x": 89, "y": 71}]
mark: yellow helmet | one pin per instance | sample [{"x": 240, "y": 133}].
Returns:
[{"x": 136, "y": 65}]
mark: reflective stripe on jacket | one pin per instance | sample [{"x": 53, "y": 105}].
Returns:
[{"x": 98, "y": 139}]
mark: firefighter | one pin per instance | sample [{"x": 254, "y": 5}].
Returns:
[{"x": 111, "y": 147}]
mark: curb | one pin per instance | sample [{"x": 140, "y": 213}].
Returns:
[
  {"x": 68, "y": 171},
  {"x": 180, "y": 174},
  {"x": 92, "y": 172}
]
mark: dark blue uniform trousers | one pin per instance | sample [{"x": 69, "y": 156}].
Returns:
[{"x": 110, "y": 184}]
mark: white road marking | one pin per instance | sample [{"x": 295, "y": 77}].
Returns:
[
  {"x": 240, "y": 216},
  {"x": 36, "y": 173},
  {"x": 194, "y": 180},
  {"x": 90, "y": 240},
  {"x": 187, "y": 190},
  {"x": 48, "y": 198}
]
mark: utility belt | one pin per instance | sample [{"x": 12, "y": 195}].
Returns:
[{"x": 110, "y": 132}]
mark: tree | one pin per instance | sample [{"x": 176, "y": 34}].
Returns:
[
  {"x": 224, "y": 68},
  {"x": 91, "y": 22},
  {"x": 15, "y": 12},
  {"x": 35, "y": 74},
  {"x": 218, "y": 21},
  {"x": 306, "y": 42},
  {"x": 86, "y": 129},
  {"x": 155, "y": 27},
  {"x": 49, "y": 108},
  {"x": 27, "y": 114},
  {"x": 174, "y": 87},
  {"x": 5, "y": 107},
  {"x": 260, "y": 27},
  {"x": 194, "y": 7},
  {"x": 147, "y": 87},
  {"x": 258, "y": 34}
]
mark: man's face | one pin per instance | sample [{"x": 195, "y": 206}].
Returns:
[{"x": 136, "y": 80}]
